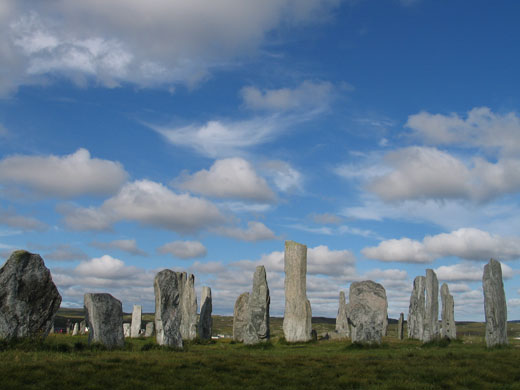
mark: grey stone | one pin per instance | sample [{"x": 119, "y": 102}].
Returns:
[
  {"x": 431, "y": 317},
  {"x": 75, "y": 330},
  {"x": 342, "y": 327},
  {"x": 127, "y": 329},
  {"x": 495, "y": 306},
  {"x": 297, "y": 318},
  {"x": 188, "y": 306},
  {"x": 167, "y": 309},
  {"x": 367, "y": 312},
  {"x": 240, "y": 316},
  {"x": 416, "y": 310},
  {"x": 205, "y": 320},
  {"x": 448, "y": 327},
  {"x": 400, "y": 327},
  {"x": 257, "y": 329},
  {"x": 104, "y": 316},
  {"x": 149, "y": 329},
  {"x": 29, "y": 299},
  {"x": 136, "y": 321},
  {"x": 82, "y": 327}
]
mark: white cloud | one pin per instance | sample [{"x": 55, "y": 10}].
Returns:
[
  {"x": 105, "y": 267},
  {"x": 148, "y": 203},
  {"x": 126, "y": 245},
  {"x": 229, "y": 178},
  {"x": 184, "y": 249},
  {"x": 64, "y": 177},
  {"x": 256, "y": 231},
  {"x": 402, "y": 250},
  {"x": 468, "y": 272},
  {"x": 10, "y": 218},
  {"x": 284, "y": 176}
]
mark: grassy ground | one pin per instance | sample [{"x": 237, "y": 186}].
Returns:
[{"x": 66, "y": 362}]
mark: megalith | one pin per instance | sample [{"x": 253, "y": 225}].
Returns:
[
  {"x": 240, "y": 316},
  {"x": 342, "y": 327},
  {"x": 127, "y": 329},
  {"x": 82, "y": 327},
  {"x": 400, "y": 327},
  {"x": 448, "y": 327},
  {"x": 495, "y": 306},
  {"x": 167, "y": 309},
  {"x": 297, "y": 318},
  {"x": 431, "y": 298},
  {"x": 75, "y": 330},
  {"x": 188, "y": 305},
  {"x": 29, "y": 299},
  {"x": 136, "y": 321},
  {"x": 416, "y": 309},
  {"x": 367, "y": 312},
  {"x": 104, "y": 316},
  {"x": 257, "y": 329},
  {"x": 205, "y": 320}
]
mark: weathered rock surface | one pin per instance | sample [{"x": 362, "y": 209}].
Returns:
[
  {"x": 205, "y": 320},
  {"x": 416, "y": 309},
  {"x": 167, "y": 309},
  {"x": 82, "y": 327},
  {"x": 104, "y": 316},
  {"x": 342, "y": 327},
  {"x": 136, "y": 321},
  {"x": 241, "y": 316},
  {"x": 495, "y": 306},
  {"x": 150, "y": 327},
  {"x": 297, "y": 324},
  {"x": 257, "y": 329},
  {"x": 75, "y": 330},
  {"x": 400, "y": 327},
  {"x": 431, "y": 316},
  {"x": 448, "y": 314},
  {"x": 367, "y": 312},
  {"x": 29, "y": 299},
  {"x": 127, "y": 329},
  {"x": 188, "y": 305}
]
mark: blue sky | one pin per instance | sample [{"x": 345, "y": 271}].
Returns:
[{"x": 198, "y": 136}]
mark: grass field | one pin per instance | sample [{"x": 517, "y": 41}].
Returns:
[{"x": 67, "y": 362}]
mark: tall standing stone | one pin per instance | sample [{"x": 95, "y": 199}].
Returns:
[
  {"x": 257, "y": 329},
  {"x": 167, "y": 309},
  {"x": 136, "y": 321},
  {"x": 205, "y": 320},
  {"x": 188, "y": 305},
  {"x": 494, "y": 304},
  {"x": 82, "y": 327},
  {"x": 150, "y": 327},
  {"x": 400, "y": 327},
  {"x": 416, "y": 309},
  {"x": 448, "y": 314},
  {"x": 431, "y": 318},
  {"x": 240, "y": 316},
  {"x": 342, "y": 327},
  {"x": 367, "y": 312},
  {"x": 29, "y": 299},
  {"x": 127, "y": 329},
  {"x": 104, "y": 316},
  {"x": 75, "y": 330},
  {"x": 297, "y": 319}
]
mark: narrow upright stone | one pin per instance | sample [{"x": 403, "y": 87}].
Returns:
[
  {"x": 82, "y": 327},
  {"x": 431, "y": 318},
  {"x": 188, "y": 305},
  {"x": 127, "y": 329},
  {"x": 400, "y": 327},
  {"x": 167, "y": 310},
  {"x": 136, "y": 321},
  {"x": 297, "y": 324},
  {"x": 205, "y": 320},
  {"x": 257, "y": 329},
  {"x": 342, "y": 327},
  {"x": 367, "y": 312},
  {"x": 495, "y": 306},
  {"x": 29, "y": 299},
  {"x": 240, "y": 316},
  {"x": 75, "y": 330},
  {"x": 104, "y": 316},
  {"x": 416, "y": 309},
  {"x": 150, "y": 327},
  {"x": 448, "y": 314}
]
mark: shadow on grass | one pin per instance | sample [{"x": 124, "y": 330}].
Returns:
[{"x": 365, "y": 346}]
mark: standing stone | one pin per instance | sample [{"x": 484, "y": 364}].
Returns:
[
  {"x": 257, "y": 329},
  {"x": 188, "y": 306},
  {"x": 167, "y": 309},
  {"x": 205, "y": 320},
  {"x": 29, "y": 299},
  {"x": 448, "y": 314},
  {"x": 136, "y": 321},
  {"x": 127, "y": 329},
  {"x": 82, "y": 326},
  {"x": 342, "y": 327},
  {"x": 400, "y": 327},
  {"x": 149, "y": 329},
  {"x": 431, "y": 318},
  {"x": 241, "y": 316},
  {"x": 416, "y": 309},
  {"x": 75, "y": 330},
  {"x": 494, "y": 304},
  {"x": 367, "y": 312},
  {"x": 104, "y": 316},
  {"x": 297, "y": 324}
]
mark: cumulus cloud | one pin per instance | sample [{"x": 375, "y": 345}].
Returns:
[
  {"x": 256, "y": 231},
  {"x": 63, "y": 177},
  {"x": 465, "y": 243},
  {"x": 184, "y": 249},
  {"x": 467, "y": 272},
  {"x": 10, "y": 218},
  {"x": 127, "y": 245},
  {"x": 229, "y": 178},
  {"x": 148, "y": 203}
]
